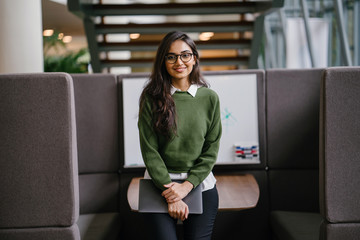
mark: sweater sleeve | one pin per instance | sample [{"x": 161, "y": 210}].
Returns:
[
  {"x": 208, "y": 156},
  {"x": 149, "y": 148}
]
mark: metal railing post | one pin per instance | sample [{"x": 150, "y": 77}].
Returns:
[
  {"x": 269, "y": 50},
  {"x": 307, "y": 31},
  {"x": 256, "y": 41},
  {"x": 356, "y": 33},
  {"x": 328, "y": 16},
  {"x": 343, "y": 37},
  {"x": 92, "y": 42},
  {"x": 282, "y": 18}
]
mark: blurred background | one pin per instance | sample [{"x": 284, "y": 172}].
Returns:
[{"x": 121, "y": 36}]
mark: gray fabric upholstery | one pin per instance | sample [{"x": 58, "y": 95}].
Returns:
[
  {"x": 295, "y": 225},
  {"x": 96, "y": 101},
  {"x": 295, "y": 190},
  {"x": 292, "y": 100},
  {"x": 340, "y": 145},
  {"x": 339, "y": 165},
  {"x": 53, "y": 233},
  {"x": 38, "y": 159},
  {"x": 99, "y": 226},
  {"x": 99, "y": 193},
  {"x": 340, "y": 231},
  {"x": 292, "y": 103}
]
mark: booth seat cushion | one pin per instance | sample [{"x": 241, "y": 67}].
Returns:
[
  {"x": 291, "y": 191},
  {"x": 339, "y": 231},
  {"x": 53, "y": 233},
  {"x": 288, "y": 225},
  {"x": 99, "y": 226}
]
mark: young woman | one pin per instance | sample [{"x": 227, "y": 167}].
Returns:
[{"x": 180, "y": 129}]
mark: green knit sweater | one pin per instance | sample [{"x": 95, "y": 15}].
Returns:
[{"x": 194, "y": 149}]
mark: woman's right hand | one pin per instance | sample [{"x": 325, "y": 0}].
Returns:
[{"x": 178, "y": 210}]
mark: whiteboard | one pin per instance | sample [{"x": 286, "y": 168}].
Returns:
[{"x": 239, "y": 116}]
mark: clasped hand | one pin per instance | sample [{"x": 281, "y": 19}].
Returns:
[
  {"x": 178, "y": 210},
  {"x": 176, "y": 191},
  {"x": 174, "y": 194}
]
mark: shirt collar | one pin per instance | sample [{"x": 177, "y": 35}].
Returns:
[{"x": 192, "y": 89}]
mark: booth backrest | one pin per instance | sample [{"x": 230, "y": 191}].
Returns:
[
  {"x": 38, "y": 157},
  {"x": 96, "y": 101},
  {"x": 340, "y": 153},
  {"x": 292, "y": 105}
]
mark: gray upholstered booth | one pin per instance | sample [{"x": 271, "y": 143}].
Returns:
[
  {"x": 293, "y": 98},
  {"x": 40, "y": 148},
  {"x": 96, "y": 101},
  {"x": 340, "y": 154},
  {"x": 38, "y": 157},
  {"x": 339, "y": 166}
]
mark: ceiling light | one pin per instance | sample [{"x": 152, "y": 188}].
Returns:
[
  {"x": 205, "y": 36},
  {"x": 134, "y": 35},
  {"x": 67, "y": 39},
  {"x": 48, "y": 32}
]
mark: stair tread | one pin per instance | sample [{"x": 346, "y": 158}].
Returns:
[
  {"x": 177, "y": 8},
  {"x": 244, "y": 61},
  {"x": 87, "y": 11},
  {"x": 151, "y": 59},
  {"x": 177, "y": 24},
  {"x": 156, "y": 43},
  {"x": 238, "y": 26},
  {"x": 152, "y": 46}
]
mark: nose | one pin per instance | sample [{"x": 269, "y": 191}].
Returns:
[{"x": 178, "y": 60}]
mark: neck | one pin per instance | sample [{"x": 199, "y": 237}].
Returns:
[{"x": 182, "y": 84}]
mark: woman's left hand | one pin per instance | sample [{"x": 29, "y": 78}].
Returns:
[{"x": 177, "y": 191}]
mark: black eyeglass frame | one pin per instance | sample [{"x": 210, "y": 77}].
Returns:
[{"x": 177, "y": 56}]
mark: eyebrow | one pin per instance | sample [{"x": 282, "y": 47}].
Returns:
[{"x": 185, "y": 51}]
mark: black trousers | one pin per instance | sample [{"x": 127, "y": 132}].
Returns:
[{"x": 198, "y": 226}]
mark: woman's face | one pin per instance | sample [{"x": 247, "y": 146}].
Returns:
[{"x": 180, "y": 70}]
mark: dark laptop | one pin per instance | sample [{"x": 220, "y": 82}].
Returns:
[{"x": 151, "y": 201}]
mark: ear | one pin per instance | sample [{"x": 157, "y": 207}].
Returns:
[{"x": 194, "y": 62}]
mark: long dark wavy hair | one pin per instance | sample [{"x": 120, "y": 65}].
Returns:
[{"x": 159, "y": 85}]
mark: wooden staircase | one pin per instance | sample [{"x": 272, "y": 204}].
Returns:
[{"x": 246, "y": 49}]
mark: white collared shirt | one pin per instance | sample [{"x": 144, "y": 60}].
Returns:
[
  {"x": 210, "y": 180},
  {"x": 192, "y": 90}
]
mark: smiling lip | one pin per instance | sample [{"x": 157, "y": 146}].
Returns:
[{"x": 180, "y": 69}]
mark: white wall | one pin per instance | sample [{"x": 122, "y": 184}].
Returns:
[{"x": 21, "y": 49}]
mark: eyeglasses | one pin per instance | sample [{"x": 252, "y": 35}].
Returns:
[{"x": 172, "y": 58}]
